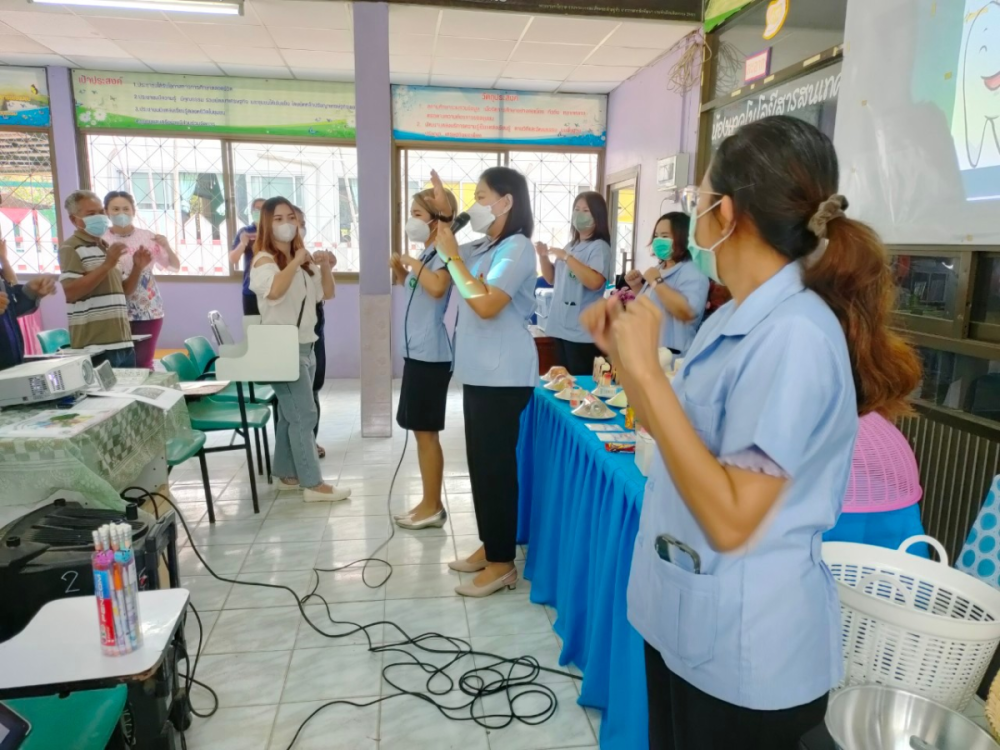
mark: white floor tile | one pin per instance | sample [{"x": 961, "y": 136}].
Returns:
[
  {"x": 226, "y": 532},
  {"x": 332, "y": 672},
  {"x": 224, "y": 559},
  {"x": 421, "y": 616},
  {"x": 421, "y": 582},
  {"x": 240, "y": 630},
  {"x": 348, "y": 616},
  {"x": 269, "y": 558},
  {"x": 505, "y": 615},
  {"x": 250, "y": 597},
  {"x": 207, "y": 593},
  {"x": 247, "y": 728},
  {"x": 567, "y": 728},
  {"x": 247, "y": 679},
  {"x": 337, "y": 727},
  {"x": 409, "y": 723}
]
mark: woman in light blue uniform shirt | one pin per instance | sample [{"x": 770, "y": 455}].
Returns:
[
  {"x": 578, "y": 277},
  {"x": 423, "y": 398},
  {"x": 496, "y": 361},
  {"x": 728, "y": 587},
  {"x": 676, "y": 285}
]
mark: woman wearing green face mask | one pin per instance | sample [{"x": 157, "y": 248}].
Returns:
[
  {"x": 579, "y": 275},
  {"x": 674, "y": 283}
]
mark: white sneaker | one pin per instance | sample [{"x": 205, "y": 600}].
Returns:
[{"x": 315, "y": 496}]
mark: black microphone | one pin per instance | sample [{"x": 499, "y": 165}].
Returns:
[{"x": 459, "y": 223}]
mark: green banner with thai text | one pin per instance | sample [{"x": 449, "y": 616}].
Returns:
[
  {"x": 718, "y": 11},
  {"x": 213, "y": 104}
]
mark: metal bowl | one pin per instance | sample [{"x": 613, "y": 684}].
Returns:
[{"x": 873, "y": 717}]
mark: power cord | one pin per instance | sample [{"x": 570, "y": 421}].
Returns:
[{"x": 515, "y": 678}]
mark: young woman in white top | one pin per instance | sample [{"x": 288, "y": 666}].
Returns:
[{"x": 288, "y": 287}]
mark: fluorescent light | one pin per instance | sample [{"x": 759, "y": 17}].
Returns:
[{"x": 217, "y": 7}]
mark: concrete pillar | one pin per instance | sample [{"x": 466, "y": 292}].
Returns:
[
  {"x": 374, "y": 124},
  {"x": 65, "y": 167}
]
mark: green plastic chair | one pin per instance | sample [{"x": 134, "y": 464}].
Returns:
[
  {"x": 209, "y": 415},
  {"x": 203, "y": 357},
  {"x": 180, "y": 449},
  {"x": 84, "y": 720},
  {"x": 54, "y": 340}
]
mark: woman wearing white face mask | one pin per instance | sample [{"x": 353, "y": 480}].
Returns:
[
  {"x": 143, "y": 248},
  {"x": 288, "y": 288},
  {"x": 496, "y": 361},
  {"x": 427, "y": 354},
  {"x": 578, "y": 276}
]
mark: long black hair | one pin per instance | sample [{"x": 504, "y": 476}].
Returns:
[
  {"x": 507, "y": 181},
  {"x": 778, "y": 172},
  {"x": 599, "y": 210},
  {"x": 680, "y": 225}
]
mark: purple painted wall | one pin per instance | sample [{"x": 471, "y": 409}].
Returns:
[{"x": 647, "y": 121}]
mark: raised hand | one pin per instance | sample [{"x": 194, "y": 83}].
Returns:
[
  {"x": 142, "y": 258},
  {"x": 301, "y": 256},
  {"x": 634, "y": 279},
  {"x": 446, "y": 245},
  {"x": 542, "y": 249},
  {"x": 114, "y": 253},
  {"x": 441, "y": 206},
  {"x": 42, "y": 286},
  {"x": 636, "y": 336},
  {"x": 652, "y": 274}
]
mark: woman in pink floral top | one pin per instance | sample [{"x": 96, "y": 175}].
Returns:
[{"x": 145, "y": 306}]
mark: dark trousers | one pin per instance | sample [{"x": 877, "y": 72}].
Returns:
[
  {"x": 124, "y": 358},
  {"x": 578, "y": 359},
  {"x": 250, "y": 306},
  {"x": 682, "y": 717},
  {"x": 492, "y": 426},
  {"x": 319, "y": 348}
]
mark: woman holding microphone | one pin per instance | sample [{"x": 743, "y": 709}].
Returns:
[
  {"x": 288, "y": 289},
  {"x": 578, "y": 277},
  {"x": 728, "y": 586},
  {"x": 427, "y": 354},
  {"x": 495, "y": 359},
  {"x": 674, "y": 283}
]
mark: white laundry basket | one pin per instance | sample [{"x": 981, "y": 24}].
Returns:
[{"x": 913, "y": 623}]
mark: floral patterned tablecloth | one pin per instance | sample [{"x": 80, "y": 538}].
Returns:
[{"x": 99, "y": 462}]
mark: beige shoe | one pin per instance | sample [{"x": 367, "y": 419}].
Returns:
[
  {"x": 508, "y": 581},
  {"x": 314, "y": 496},
  {"x": 435, "y": 521},
  {"x": 464, "y": 566}
]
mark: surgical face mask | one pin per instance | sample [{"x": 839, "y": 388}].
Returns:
[
  {"x": 417, "y": 230},
  {"x": 285, "y": 232},
  {"x": 255, "y": 215},
  {"x": 121, "y": 220},
  {"x": 481, "y": 217},
  {"x": 582, "y": 221},
  {"x": 662, "y": 247},
  {"x": 704, "y": 258},
  {"x": 96, "y": 225}
]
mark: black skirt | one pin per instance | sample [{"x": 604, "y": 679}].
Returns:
[{"x": 424, "y": 395}]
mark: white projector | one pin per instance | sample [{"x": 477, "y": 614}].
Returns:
[{"x": 45, "y": 380}]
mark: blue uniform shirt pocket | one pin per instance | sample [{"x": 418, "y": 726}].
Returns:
[{"x": 689, "y": 609}]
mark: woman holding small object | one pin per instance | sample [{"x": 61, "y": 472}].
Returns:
[
  {"x": 495, "y": 359},
  {"x": 143, "y": 250},
  {"x": 674, "y": 283},
  {"x": 427, "y": 354},
  {"x": 579, "y": 277},
  {"x": 288, "y": 288},
  {"x": 319, "y": 348},
  {"x": 728, "y": 588}
]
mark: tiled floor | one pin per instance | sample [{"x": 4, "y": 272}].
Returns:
[{"x": 271, "y": 670}]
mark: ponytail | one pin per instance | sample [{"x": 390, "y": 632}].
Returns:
[{"x": 854, "y": 278}]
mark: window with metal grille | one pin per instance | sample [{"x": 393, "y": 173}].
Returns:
[
  {"x": 554, "y": 180},
  {"x": 179, "y": 190},
  {"x": 28, "y": 210},
  {"x": 321, "y": 180}
]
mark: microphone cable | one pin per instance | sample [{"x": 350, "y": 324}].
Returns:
[{"x": 512, "y": 677}]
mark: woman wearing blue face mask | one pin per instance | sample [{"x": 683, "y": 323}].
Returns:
[
  {"x": 674, "y": 283},
  {"x": 755, "y": 435},
  {"x": 495, "y": 360},
  {"x": 578, "y": 276}
]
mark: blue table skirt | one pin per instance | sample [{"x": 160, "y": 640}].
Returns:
[{"x": 579, "y": 515}]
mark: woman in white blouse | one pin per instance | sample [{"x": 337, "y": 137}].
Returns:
[{"x": 288, "y": 287}]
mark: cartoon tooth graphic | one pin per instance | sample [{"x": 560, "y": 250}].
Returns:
[{"x": 981, "y": 81}]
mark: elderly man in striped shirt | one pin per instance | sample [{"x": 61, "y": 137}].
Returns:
[{"x": 95, "y": 297}]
